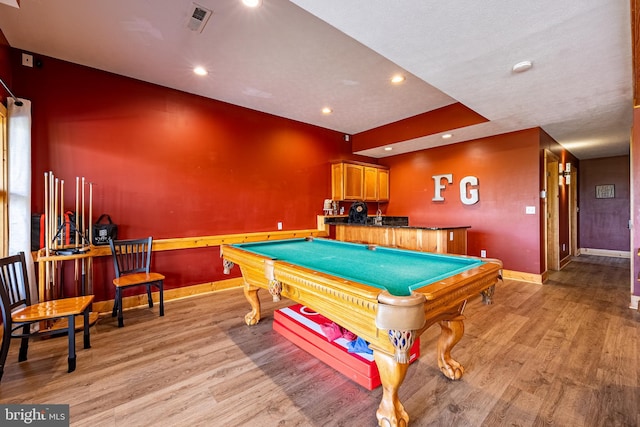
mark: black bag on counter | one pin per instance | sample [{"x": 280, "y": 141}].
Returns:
[
  {"x": 358, "y": 213},
  {"x": 102, "y": 232}
]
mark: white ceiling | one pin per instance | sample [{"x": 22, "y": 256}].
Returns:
[{"x": 291, "y": 58}]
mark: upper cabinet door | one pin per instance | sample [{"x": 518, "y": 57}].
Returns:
[
  {"x": 353, "y": 181},
  {"x": 337, "y": 182},
  {"x": 383, "y": 185},
  {"x": 370, "y": 183}
]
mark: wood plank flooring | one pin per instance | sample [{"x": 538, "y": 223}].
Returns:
[{"x": 566, "y": 353}]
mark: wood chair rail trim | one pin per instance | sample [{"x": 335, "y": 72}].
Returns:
[{"x": 191, "y": 243}]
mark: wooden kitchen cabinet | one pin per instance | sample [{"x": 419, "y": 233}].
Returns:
[
  {"x": 347, "y": 181},
  {"x": 370, "y": 189},
  {"x": 357, "y": 181},
  {"x": 383, "y": 185},
  {"x": 353, "y": 179}
]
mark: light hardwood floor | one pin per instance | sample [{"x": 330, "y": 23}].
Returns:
[{"x": 566, "y": 353}]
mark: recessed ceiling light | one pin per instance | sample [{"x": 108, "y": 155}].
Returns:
[
  {"x": 522, "y": 66},
  {"x": 327, "y": 110},
  {"x": 388, "y": 148},
  {"x": 397, "y": 79},
  {"x": 252, "y": 3},
  {"x": 447, "y": 136},
  {"x": 200, "y": 71}
]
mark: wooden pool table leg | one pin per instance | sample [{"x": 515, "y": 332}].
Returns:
[
  {"x": 391, "y": 412},
  {"x": 251, "y": 293},
  {"x": 451, "y": 332},
  {"x": 487, "y": 295}
]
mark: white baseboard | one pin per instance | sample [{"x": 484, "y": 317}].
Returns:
[{"x": 605, "y": 252}]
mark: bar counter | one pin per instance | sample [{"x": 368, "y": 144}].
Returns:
[{"x": 396, "y": 232}]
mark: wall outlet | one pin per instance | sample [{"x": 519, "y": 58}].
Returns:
[
  {"x": 27, "y": 60},
  {"x": 530, "y": 210},
  {"x": 483, "y": 253},
  {"x": 279, "y": 226}
]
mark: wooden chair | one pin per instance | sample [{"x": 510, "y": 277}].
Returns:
[
  {"x": 18, "y": 314},
  {"x": 132, "y": 262}
]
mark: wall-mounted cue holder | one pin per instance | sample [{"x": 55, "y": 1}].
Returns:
[
  {"x": 66, "y": 230},
  {"x": 67, "y": 235}
]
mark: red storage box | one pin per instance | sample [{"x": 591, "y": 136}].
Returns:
[{"x": 302, "y": 326}]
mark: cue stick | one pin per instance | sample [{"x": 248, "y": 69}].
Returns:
[
  {"x": 46, "y": 213},
  {"x": 52, "y": 213},
  {"x": 90, "y": 259},
  {"x": 46, "y": 286},
  {"x": 77, "y": 207},
  {"x": 62, "y": 199},
  {"x": 55, "y": 210},
  {"x": 82, "y": 230},
  {"x": 62, "y": 240},
  {"x": 52, "y": 222},
  {"x": 90, "y": 213},
  {"x": 75, "y": 262},
  {"x": 54, "y": 238},
  {"x": 83, "y": 276}
]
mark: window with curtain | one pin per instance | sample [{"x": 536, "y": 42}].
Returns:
[
  {"x": 18, "y": 182},
  {"x": 4, "y": 220}
]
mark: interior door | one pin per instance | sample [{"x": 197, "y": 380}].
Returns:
[
  {"x": 573, "y": 212},
  {"x": 552, "y": 212}
]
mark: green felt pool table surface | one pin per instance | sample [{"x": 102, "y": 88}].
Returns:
[{"x": 396, "y": 270}]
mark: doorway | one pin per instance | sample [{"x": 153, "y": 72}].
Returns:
[
  {"x": 552, "y": 215},
  {"x": 555, "y": 257}
]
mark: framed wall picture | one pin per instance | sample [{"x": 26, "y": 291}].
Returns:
[{"x": 606, "y": 191}]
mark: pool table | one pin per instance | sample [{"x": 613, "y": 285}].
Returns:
[{"x": 384, "y": 295}]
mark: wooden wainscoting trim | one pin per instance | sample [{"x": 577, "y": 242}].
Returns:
[
  {"x": 523, "y": 277},
  {"x": 105, "y": 307}
]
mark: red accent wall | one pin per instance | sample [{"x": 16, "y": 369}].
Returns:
[
  {"x": 169, "y": 164},
  {"x": 604, "y": 223},
  {"x": 507, "y": 168}
]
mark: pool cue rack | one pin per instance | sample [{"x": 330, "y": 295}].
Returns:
[{"x": 65, "y": 240}]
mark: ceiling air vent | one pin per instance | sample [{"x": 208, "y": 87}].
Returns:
[{"x": 198, "y": 17}]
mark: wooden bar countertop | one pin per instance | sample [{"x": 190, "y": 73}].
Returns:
[{"x": 396, "y": 232}]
